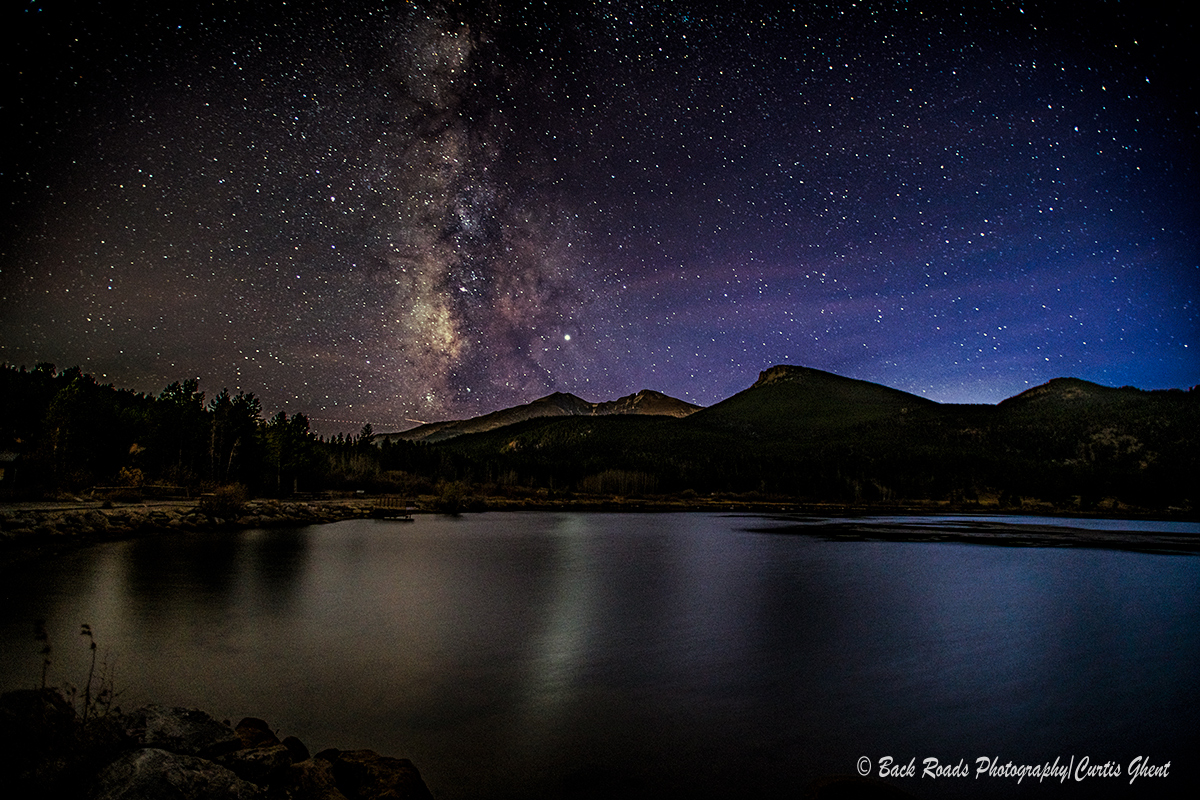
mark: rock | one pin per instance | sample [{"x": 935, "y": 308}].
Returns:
[
  {"x": 189, "y": 732},
  {"x": 260, "y": 765},
  {"x": 254, "y": 732},
  {"x": 366, "y": 775},
  {"x": 312, "y": 779},
  {"x": 153, "y": 774},
  {"x": 48, "y": 751},
  {"x": 296, "y": 748}
]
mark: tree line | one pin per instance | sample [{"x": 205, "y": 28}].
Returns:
[{"x": 62, "y": 430}]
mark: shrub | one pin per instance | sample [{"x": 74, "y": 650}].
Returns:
[
  {"x": 225, "y": 502},
  {"x": 450, "y": 498}
]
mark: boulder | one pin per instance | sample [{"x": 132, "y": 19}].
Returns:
[
  {"x": 153, "y": 774},
  {"x": 254, "y": 732},
  {"x": 186, "y": 731},
  {"x": 312, "y": 779},
  {"x": 97, "y": 520},
  {"x": 366, "y": 775},
  {"x": 260, "y": 765},
  {"x": 296, "y": 748},
  {"x": 48, "y": 751}
]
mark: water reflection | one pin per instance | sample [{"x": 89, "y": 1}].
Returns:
[
  {"x": 558, "y": 650},
  {"x": 276, "y": 559},
  {"x": 162, "y": 571},
  {"x": 525, "y": 654}
]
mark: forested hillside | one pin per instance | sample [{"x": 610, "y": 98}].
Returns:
[{"x": 812, "y": 436}]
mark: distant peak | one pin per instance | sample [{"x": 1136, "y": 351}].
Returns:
[
  {"x": 1061, "y": 389},
  {"x": 786, "y": 372},
  {"x": 647, "y": 401}
]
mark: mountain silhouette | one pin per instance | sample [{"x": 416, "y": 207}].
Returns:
[
  {"x": 810, "y": 434},
  {"x": 800, "y": 402},
  {"x": 558, "y": 404}
]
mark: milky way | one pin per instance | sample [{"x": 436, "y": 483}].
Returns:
[{"x": 395, "y": 212}]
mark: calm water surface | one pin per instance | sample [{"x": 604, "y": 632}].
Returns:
[{"x": 541, "y": 655}]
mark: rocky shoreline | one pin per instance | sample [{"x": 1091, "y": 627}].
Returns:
[
  {"x": 32, "y": 529},
  {"x": 48, "y": 750}
]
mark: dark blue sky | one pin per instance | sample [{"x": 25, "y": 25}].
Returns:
[{"x": 388, "y": 212}]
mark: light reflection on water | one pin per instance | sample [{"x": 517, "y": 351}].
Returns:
[{"x": 524, "y": 655}]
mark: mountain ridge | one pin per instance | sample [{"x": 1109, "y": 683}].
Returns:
[
  {"x": 1066, "y": 390},
  {"x": 809, "y": 399},
  {"x": 800, "y": 402},
  {"x": 816, "y": 436},
  {"x": 646, "y": 402}
]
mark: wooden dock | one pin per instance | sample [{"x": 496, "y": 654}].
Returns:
[{"x": 393, "y": 507}]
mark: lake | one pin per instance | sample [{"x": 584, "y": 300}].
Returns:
[{"x": 540, "y": 655}]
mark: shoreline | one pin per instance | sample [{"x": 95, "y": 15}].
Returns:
[
  {"x": 52, "y": 748},
  {"x": 34, "y": 529},
  {"x": 30, "y": 530}
]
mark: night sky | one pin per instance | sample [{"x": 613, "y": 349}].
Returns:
[{"x": 398, "y": 212}]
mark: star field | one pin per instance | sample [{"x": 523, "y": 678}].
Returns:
[{"x": 391, "y": 212}]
